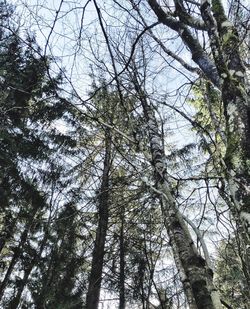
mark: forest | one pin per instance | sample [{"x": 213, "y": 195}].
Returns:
[{"x": 124, "y": 154}]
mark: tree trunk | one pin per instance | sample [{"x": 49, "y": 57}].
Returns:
[
  {"x": 95, "y": 278},
  {"x": 122, "y": 265},
  {"x": 196, "y": 273},
  {"x": 224, "y": 40},
  {"x": 227, "y": 72}
]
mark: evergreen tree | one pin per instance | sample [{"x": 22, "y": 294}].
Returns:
[
  {"x": 30, "y": 105},
  {"x": 229, "y": 275}
]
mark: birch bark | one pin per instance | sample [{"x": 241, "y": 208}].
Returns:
[
  {"x": 226, "y": 71},
  {"x": 196, "y": 276},
  {"x": 224, "y": 41}
]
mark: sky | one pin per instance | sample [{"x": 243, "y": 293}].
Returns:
[
  {"x": 76, "y": 36},
  {"x": 70, "y": 31}
]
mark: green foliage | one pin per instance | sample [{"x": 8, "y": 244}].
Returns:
[
  {"x": 31, "y": 171},
  {"x": 50, "y": 180},
  {"x": 59, "y": 268},
  {"x": 206, "y": 100},
  {"x": 229, "y": 276}
]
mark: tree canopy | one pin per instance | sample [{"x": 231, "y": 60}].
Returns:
[{"x": 125, "y": 154}]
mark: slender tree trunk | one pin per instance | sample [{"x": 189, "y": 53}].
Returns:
[
  {"x": 196, "y": 274},
  {"x": 122, "y": 265},
  {"x": 141, "y": 272},
  {"x": 95, "y": 278}
]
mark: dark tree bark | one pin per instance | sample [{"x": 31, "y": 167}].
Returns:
[
  {"x": 122, "y": 264},
  {"x": 95, "y": 277}
]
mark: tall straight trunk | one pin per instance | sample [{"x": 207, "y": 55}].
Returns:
[
  {"x": 196, "y": 275},
  {"x": 141, "y": 272},
  {"x": 122, "y": 264},
  {"x": 95, "y": 278}
]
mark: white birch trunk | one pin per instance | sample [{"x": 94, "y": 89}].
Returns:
[{"x": 196, "y": 276}]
